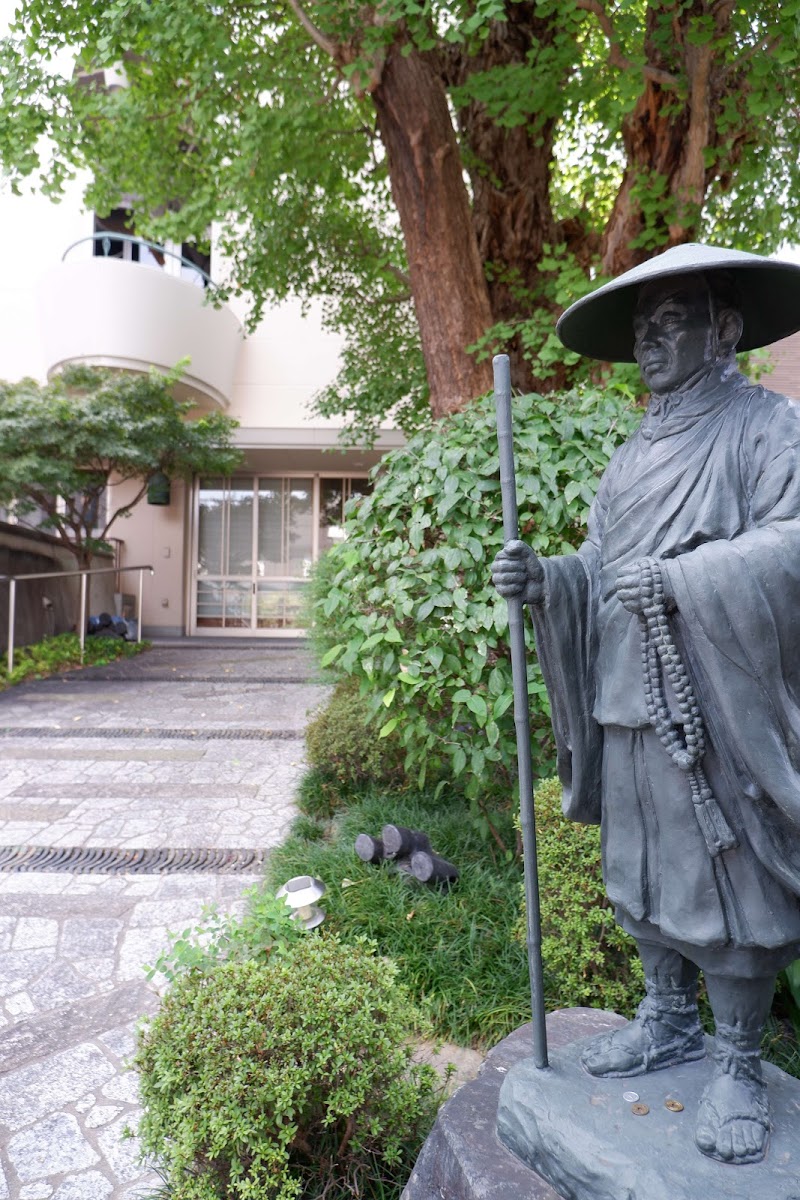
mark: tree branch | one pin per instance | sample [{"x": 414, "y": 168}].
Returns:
[
  {"x": 616, "y": 58},
  {"x": 316, "y": 34},
  {"x": 123, "y": 510},
  {"x": 342, "y": 54}
]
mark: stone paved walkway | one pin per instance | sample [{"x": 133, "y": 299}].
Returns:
[{"x": 183, "y": 747}]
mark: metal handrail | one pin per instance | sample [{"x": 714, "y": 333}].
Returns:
[
  {"x": 13, "y": 580},
  {"x": 106, "y": 237}
]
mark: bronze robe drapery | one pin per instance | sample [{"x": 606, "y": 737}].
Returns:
[{"x": 710, "y": 486}]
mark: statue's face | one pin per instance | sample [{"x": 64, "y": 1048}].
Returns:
[{"x": 672, "y": 332}]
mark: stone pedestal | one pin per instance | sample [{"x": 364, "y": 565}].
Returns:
[
  {"x": 517, "y": 1133},
  {"x": 463, "y": 1159}
]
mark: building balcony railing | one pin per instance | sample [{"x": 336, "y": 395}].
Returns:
[{"x": 122, "y": 302}]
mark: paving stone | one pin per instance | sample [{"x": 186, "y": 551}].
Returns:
[
  {"x": 19, "y": 967},
  {"x": 59, "y": 984},
  {"x": 16, "y": 811},
  {"x": 89, "y": 936},
  {"x": 123, "y": 1087},
  {"x": 35, "y": 1191},
  {"x": 7, "y": 927},
  {"x": 97, "y": 970},
  {"x": 45, "y": 1034},
  {"x": 121, "y": 1153},
  {"x": 50, "y": 1147},
  {"x": 121, "y": 1042},
  {"x": 65, "y": 1061},
  {"x": 140, "y": 947},
  {"x": 19, "y": 1005},
  {"x": 148, "y": 1184},
  {"x": 34, "y": 1091},
  {"x": 90, "y": 1185},
  {"x": 169, "y": 914},
  {"x": 101, "y": 1115},
  {"x": 36, "y": 883},
  {"x": 140, "y": 885},
  {"x": 35, "y": 933}
]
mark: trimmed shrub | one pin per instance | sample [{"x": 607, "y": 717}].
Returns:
[
  {"x": 588, "y": 959},
  {"x": 342, "y": 748},
  {"x": 284, "y": 1079},
  {"x": 404, "y": 605}
]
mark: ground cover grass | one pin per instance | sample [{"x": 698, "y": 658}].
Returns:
[
  {"x": 53, "y": 655},
  {"x": 455, "y": 948},
  {"x": 461, "y": 951}
]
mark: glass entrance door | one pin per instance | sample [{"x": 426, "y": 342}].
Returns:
[
  {"x": 286, "y": 549},
  {"x": 256, "y": 540},
  {"x": 224, "y": 594}
]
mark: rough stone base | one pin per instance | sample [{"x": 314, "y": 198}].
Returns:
[
  {"x": 585, "y": 1139},
  {"x": 574, "y": 1137},
  {"x": 463, "y": 1159}
]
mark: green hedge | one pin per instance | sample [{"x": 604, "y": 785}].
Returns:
[
  {"x": 284, "y": 1078},
  {"x": 588, "y": 959},
  {"x": 404, "y": 605},
  {"x": 343, "y": 751}
]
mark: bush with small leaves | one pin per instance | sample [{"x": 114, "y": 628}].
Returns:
[
  {"x": 290, "y": 1078},
  {"x": 264, "y": 928},
  {"x": 588, "y": 959}
]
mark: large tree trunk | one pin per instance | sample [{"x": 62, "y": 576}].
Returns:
[
  {"x": 447, "y": 279},
  {"x": 509, "y": 170},
  {"x": 667, "y": 134}
]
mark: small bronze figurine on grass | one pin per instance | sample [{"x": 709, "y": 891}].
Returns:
[{"x": 670, "y": 645}]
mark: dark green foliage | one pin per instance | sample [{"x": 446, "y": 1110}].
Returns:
[
  {"x": 454, "y": 949},
  {"x": 405, "y": 607},
  {"x": 588, "y": 960},
  {"x": 269, "y": 128},
  {"x": 63, "y": 653},
  {"x": 342, "y": 747},
  {"x": 60, "y": 442},
  {"x": 284, "y": 1079}
]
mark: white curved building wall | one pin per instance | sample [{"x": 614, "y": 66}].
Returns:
[{"x": 109, "y": 312}]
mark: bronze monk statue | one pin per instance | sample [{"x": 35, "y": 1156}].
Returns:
[{"x": 670, "y": 645}]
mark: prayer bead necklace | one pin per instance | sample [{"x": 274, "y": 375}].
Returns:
[{"x": 684, "y": 741}]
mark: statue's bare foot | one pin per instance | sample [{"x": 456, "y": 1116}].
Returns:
[
  {"x": 665, "y": 1031},
  {"x": 733, "y": 1118}
]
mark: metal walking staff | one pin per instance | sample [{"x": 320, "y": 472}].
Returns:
[{"x": 502, "y": 396}]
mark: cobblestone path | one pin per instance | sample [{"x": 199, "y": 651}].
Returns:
[{"x": 183, "y": 748}]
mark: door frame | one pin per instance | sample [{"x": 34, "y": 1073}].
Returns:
[{"x": 233, "y": 632}]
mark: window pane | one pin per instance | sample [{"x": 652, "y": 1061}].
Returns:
[
  {"x": 240, "y": 545},
  {"x": 210, "y": 525},
  {"x": 285, "y": 513},
  {"x": 334, "y": 495},
  {"x": 331, "y": 512},
  {"x": 270, "y": 525},
  {"x": 299, "y": 530},
  {"x": 237, "y": 605},
  {"x": 280, "y": 605}
]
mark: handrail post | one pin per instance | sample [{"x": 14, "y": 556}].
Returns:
[
  {"x": 83, "y": 614},
  {"x": 139, "y": 606},
  {"x": 12, "y": 605}
]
